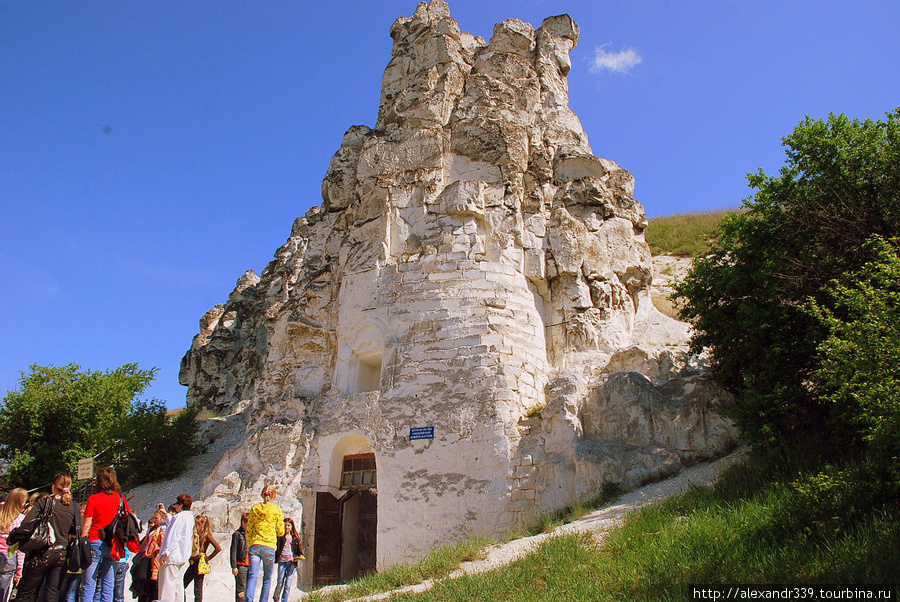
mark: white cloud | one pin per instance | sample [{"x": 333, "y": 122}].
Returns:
[{"x": 618, "y": 62}]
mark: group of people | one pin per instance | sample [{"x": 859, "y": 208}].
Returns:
[{"x": 173, "y": 552}]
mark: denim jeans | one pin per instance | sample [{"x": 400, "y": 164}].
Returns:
[
  {"x": 100, "y": 576},
  {"x": 119, "y": 570},
  {"x": 68, "y": 591},
  {"x": 286, "y": 572},
  {"x": 42, "y": 570},
  {"x": 265, "y": 556},
  {"x": 7, "y": 570},
  {"x": 240, "y": 583}
]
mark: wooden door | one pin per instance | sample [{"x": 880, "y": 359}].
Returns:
[
  {"x": 327, "y": 544},
  {"x": 368, "y": 530}
]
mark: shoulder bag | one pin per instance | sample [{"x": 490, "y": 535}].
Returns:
[
  {"x": 38, "y": 533},
  {"x": 78, "y": 552},
  {"x": 124, "y": 525}
]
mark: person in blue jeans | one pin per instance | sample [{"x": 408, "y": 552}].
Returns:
[
  {"x": 120, "y": 568},
  {"x": 68, "y": 591},
  {"x": 100, "y": 577},
  {"x": 261, "y": 557},
  {"x": 264, "y": 527},
  {"x": 100, "y": 511},
  {"x": 287, "y": 555}
]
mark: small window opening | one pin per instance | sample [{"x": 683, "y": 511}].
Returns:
[
  {"x": 359, "y": 472},
  {"x": 369, "y": 375}
]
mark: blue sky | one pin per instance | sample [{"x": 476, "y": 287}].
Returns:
[{"x": 153, "y": 151}]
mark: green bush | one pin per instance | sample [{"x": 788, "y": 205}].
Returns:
[
  {"x": 804, "y": 228},
  {"x": 826, "y": 502},
  {"x": 156, "y": 445},
  {"x": 859, "y": 372}
]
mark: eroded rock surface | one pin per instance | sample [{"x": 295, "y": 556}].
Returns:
[{"x": 474, "y": 268}]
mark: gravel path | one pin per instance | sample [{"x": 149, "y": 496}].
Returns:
[{"x": 597, "y": 523}]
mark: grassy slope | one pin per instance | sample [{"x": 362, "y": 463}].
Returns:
[
  {"x": 754, "y": 527},
  {"x": 683, "y": 235},
  {"x": 769, "y": 521}
]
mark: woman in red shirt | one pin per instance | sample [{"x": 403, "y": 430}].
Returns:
[{"x": 100, "y": 512}]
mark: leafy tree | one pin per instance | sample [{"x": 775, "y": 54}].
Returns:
[
  {"x": 61, "y": 414},
  {"x": 803, "y": 228},
  {"x": 859, "y": 371},
  {"x": 157, "y": 445}
]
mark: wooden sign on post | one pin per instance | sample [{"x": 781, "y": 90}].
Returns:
[{"x": 85, "y": 469}]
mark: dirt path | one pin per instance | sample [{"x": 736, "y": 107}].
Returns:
[{"x": 597, "y": 523}]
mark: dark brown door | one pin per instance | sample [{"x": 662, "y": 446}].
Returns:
[
  {"x": 327, "y": 544},
  {"x": 368, "y": 530}
]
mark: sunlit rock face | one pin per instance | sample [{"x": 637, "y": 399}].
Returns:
[{"x": 474, "y": 268}]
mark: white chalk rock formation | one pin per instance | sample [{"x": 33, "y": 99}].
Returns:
[{"x": 426, "y": 357}]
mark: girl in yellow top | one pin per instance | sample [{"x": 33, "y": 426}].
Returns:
[{"x": 265, "y": 526}]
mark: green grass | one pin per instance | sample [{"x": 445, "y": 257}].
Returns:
[
  {"x": 443, "y": 561},
  {"x": 549, "y": 522},
  {"x": 683, "y": 235},
  {"x": 438, "y": 563},
  {"x": 761, "y": 524}
]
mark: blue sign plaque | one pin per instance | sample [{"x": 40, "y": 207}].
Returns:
[{"x": 421, "y": 432}]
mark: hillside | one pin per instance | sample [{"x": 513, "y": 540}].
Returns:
[
  {"x": 685, "y": 234},
  {"x": 674, "y": 241}
]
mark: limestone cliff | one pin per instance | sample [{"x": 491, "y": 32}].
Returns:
[{"x": 473, "y": 269}]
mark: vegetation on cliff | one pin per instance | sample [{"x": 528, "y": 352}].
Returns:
[{"x": 684, "y": 234}]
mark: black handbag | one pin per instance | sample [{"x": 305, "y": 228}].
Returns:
[
  {"x": 36, "y": 535},
  {"x": 78, "y": 552}
]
